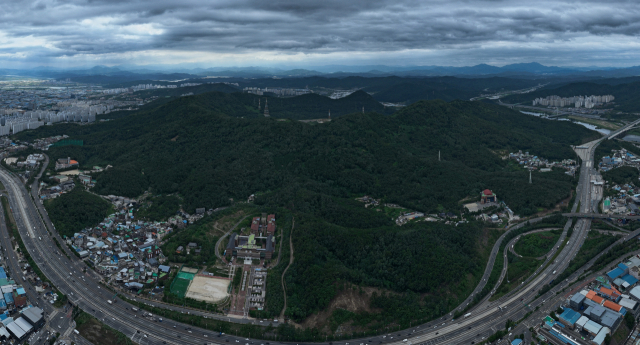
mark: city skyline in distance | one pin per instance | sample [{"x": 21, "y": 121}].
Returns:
[{"x": 304, "y": 34}]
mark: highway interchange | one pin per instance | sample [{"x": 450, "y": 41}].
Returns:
[{"x": 84, "y": 289}]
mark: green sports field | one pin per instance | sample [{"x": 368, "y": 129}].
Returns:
[
  {"x": 180, "y": 286},
  {"x": 185, "y": 275}
]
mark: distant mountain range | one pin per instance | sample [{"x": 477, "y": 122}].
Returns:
[{"x": 519, "y": 70}]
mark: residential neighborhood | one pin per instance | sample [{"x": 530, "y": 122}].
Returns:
[{"x": 599, "y": 309}]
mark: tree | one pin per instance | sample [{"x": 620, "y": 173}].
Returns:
[
  {"x": 629, "y": 320},
  {"x": 607, "y": 339}
]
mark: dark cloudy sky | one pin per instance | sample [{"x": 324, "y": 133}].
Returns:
[{"x": 301, "y": 33}]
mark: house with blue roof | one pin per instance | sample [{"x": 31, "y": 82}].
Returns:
[
  {"x": 516, "y": 342},
  {"x": 8, "y": 297}
]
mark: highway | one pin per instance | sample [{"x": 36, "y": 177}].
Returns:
[
  {"x": 600, "y": 216},
  {"x": 57, "y": 322},
  {"x": 514, "y": 306},
  {"x": 83, "y": 289}
]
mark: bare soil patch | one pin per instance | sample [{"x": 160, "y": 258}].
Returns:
[
  {"x": 348, "y": 299},
  {"x": 222, "y": 225},
  {"x": 208, "y": 289}
]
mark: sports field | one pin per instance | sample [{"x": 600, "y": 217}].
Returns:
[
  {"x": 209, "y": 289},
  {"x": 189, "y": 270},
  {"x": 180, "y": 286},
  {"x": 185, "y": 275}
]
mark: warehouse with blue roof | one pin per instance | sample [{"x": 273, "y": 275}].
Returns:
[
  {"x": 569, "y": 317},
  {"x": 629, "y": 279},
  {"x": 615, "y": 273}
]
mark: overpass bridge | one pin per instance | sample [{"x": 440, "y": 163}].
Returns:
[
  {"x": 623, "y": 129},
  {"x": 601, "y": 216},
  {"x": 628, "y": 237}
]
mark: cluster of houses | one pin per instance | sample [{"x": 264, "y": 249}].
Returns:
[
  {"x": 532, "y": 162},
  {"x": 123, "y": 248},
  {"x": 44, "y": 143},
  {"x": 31, "y": 162},
  {"x": 598, "y": 310},
  {"x": 619, "y": 158},
  {"x": 181, "y": 219},
  {"x": 369, "y": 201},
  {"x": 66, "y": 182},
  {"x": 9, "y": 148},
  {"x": 625, "y": 202},
  {"x": 403, "y": 218}
]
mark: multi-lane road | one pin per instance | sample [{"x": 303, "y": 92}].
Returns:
[{"x": 84, "y": 290}]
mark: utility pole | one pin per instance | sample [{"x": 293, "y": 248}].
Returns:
[
  {"x": 438, "y": 155},
  {"x": 529, "y": 176}
]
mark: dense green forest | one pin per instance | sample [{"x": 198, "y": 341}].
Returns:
[
  {"x": 159, "y": 207},
  {"x": 76, "y": 210},
  {"x": 626, "y": 94},
  {"x": 622, "y": 175},
  {"x": 198, "y": 147},
  {"x": 201, "y": 149},
  {"x": 419, "y": 258},
  {"x": 538, "y": 244}
]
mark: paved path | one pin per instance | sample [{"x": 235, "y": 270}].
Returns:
[
  {"x": 284, "y": 285},
  {"x": 217, "y": 247},
  {"x": 615, "y": 226}
]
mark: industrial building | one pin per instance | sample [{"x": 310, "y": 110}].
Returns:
[
  {"x": 34, "y": 316},
  {"x": 19, "y": 328}
]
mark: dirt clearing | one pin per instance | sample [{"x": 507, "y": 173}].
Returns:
[{"x": 209, "y": 289}]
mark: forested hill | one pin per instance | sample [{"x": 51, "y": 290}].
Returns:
[
  {"x": 313, "y": 106},
  {"x": 232, "y": 102},
  {"x": 402, "y": 89},
  {"x": 626, "y": 94},
  {"x": 200, "y": 148}
]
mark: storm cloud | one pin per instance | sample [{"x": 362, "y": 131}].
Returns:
[{"x": 254, "y": 32}]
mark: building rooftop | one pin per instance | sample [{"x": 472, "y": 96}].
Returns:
[
  {"x": 615, "y": 273},
  {"x": 570, "y": 316}
]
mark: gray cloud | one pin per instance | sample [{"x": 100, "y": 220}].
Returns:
[{"x": 106, "y": 30}]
